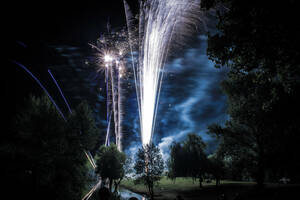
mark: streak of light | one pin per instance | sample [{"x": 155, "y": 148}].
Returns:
[
  {"x": 50, "y": 97},
  {"x": 61, "y": 93},
  {"x": 91, "y": 161},
  {"x": 41, "y": 85},
  {"x": 107, "y": 131},
  {"x": 160, "y": 23},
  {"x": 88, "y": 155},
  {"x": 89, "y": 194}
]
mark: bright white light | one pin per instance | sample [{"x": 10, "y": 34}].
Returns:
[
  {"x": 162, "y": 19},
  {"x": 108, "y": 58}
]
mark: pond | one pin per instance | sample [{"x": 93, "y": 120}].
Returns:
[{"x": 126, "y": 194}]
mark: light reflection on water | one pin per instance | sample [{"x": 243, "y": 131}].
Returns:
[{"x": 126, "y": 194}]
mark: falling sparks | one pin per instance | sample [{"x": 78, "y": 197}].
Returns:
[
  {"x": 111, "y": 51},
  {"x": 160, "y": 23},
  {"x": 90, "y": 158}
]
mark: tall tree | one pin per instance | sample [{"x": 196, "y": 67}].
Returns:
[
  {"x": 82, "y": 123},
  {"x": 149, "y": 166},
  {"x": 216, "y": 167},
  {"x": 176, "y": 166},
  {"x": 110, "y": 165},
  {"x": 43, "y": 158},
  {"x": 196, "y": 157},
  {"x": 261, "y": 50},
  {"x": 188, "y": 159}
]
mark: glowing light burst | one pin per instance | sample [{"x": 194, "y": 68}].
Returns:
[
  {"x": 111, "y": 50},
  {"x": 108, "y": 58},
  {"x": 160, "y": 24}
]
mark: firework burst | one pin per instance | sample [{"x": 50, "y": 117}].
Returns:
[
  {"x": 161, "y": 24},
  {"x": 112, "y": 49}
]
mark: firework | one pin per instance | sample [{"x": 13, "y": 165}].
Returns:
[
  {"x": 89, "y": 194},
  {"x": 88, "y": 154},
  {"x": 111, "y": 51},
  {"x": 42, "y": 86},
  {"x": 61, "y": 93},
  {"x": 107, "y": 132},
  {"x": 161, "y": 23}
]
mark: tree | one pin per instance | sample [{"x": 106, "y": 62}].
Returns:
[
  {"x": 176, "y": 166},
  {"x": 82, "y": 123},
  {"x": 149, "y": 166},
  {"x": 216, "y": 167},
  {"x": 188, "y": 159},
  {"x": 42, "y": 158},
  {"x": 196, "y": 157},
  {"x": 261, "y": 51},
  {"x": 110, "y": 165}
]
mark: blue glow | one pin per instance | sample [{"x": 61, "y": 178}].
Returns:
[{"x": 41, "y": 85}]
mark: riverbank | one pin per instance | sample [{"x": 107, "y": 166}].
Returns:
[{"x": 168, "y": 190}]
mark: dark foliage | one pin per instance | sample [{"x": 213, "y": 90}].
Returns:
[
  {"x": 42, "y": 157},
  {"x": 188, "y": 159},
  {"x": 110, "y": 165},
  {"x": 258, "y": 42}
]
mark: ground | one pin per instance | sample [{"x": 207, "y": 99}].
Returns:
[{"x": 168, "y": 190}]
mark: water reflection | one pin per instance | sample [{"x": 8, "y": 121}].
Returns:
[{"x": 126, "y": 194}]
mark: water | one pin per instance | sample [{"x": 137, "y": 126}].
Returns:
[{"x": 126, "y": 194}]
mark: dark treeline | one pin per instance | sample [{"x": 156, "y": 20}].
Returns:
[
  {"x": 42, "y": 155},
  {"x": 189, "y": 159},
  {"x": 258, "y": 41}
]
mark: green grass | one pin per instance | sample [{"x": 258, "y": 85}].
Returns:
[
  {"x": 189, "y": 190},
  {"x": 168, "y": 189}
]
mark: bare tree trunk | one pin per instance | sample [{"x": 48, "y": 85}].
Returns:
[
  {"x": 217, "y": 182},
  {"x": 200, "y": 182},
  {"x": 150, "y": 189}
]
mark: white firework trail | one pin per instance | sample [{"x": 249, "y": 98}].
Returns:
[
  {"x": 88, "y": 155},
  {"x": 107, "y": 131},
  {"x": 108, "y": 115},
  {"x": 120, "y": 69},
  {"x": 161, "y": 22},
  {"x": 114, "y": 102},
  {"x": 90, "y": 193},
  {"x": 112, "y": 49}
]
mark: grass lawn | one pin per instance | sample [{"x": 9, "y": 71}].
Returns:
[{"x": 168, "y": 190}]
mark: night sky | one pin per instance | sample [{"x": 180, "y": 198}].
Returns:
[{"x": 52, "y": 35}]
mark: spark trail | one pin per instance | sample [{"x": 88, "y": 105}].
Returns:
[
  {"x": 161, "y": 23},
  {"x": 112, "y": 49},
  {"x": 88, "y": 154},
  {"x": 120, "y": 73},
  {"x": 52, "y": 100},
  {"x": 61, "y": 93},
  {"x": 42, "y": 86},
  {"x": 114, "y": 101}
]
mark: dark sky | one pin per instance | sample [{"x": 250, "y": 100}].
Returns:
[
  {"x": 75, "y": 22},
  {"x": 30, "y": 28},
  {"x": 55, "y": 35}
]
